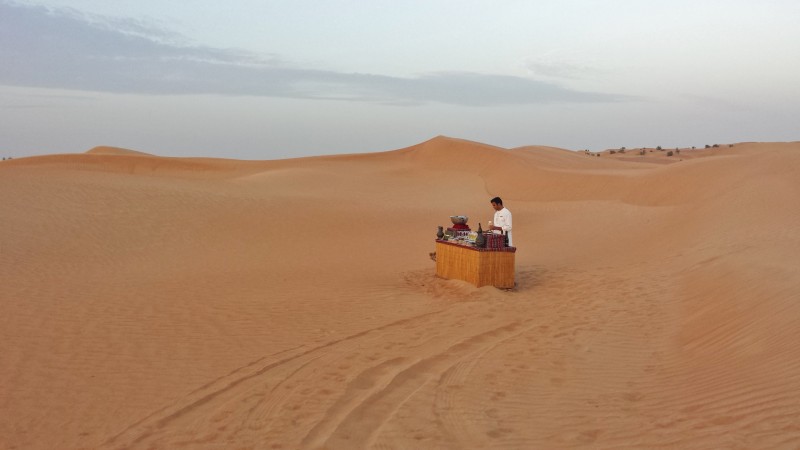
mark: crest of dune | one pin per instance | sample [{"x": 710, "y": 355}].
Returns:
[
  {"x": 106, "y": 150},
  {"x": 158, "y": 302}
]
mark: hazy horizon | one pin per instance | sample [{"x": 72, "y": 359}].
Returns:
[{"x": 266, "y": 80}]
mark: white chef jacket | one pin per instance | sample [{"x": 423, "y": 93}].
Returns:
[{"x": 502, "y": 219}]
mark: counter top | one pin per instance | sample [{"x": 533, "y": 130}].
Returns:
[{"x": 478, "y": 249}]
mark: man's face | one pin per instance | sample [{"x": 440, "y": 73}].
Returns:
[{"x": 497, "y": 206}]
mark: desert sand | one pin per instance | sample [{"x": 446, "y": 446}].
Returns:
[{"x": 155, "y": 302}]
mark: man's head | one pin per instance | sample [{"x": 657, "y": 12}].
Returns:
[{"x": 497, "y": 203}]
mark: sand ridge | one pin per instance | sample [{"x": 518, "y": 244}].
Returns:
[{"x": 153, "y": 302}]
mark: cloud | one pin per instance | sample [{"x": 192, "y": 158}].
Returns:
[
  {"x": 553, "y": 65},
  {"x": 63, "y": 48}
]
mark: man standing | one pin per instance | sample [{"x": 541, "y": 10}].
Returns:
[{"x": 502, "y": 219}]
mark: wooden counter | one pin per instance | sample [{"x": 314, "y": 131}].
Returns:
[{"x": 481, "y": 267}]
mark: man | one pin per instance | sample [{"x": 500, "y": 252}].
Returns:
[{"x": 502, "y": 219}]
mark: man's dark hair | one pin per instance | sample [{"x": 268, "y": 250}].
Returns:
[{"x": 497, "y": 200}]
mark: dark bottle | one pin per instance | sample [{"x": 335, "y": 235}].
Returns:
[
  {"x": 440, "y": 233},
  {"x": 480, "y": 241}
]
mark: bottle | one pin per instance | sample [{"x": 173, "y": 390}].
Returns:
[
  {"x": 440, "y": 233},
  {"x": 480, "y": 241}
]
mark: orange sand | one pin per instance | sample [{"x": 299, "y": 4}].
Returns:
[{"x": 152, "y": 302}]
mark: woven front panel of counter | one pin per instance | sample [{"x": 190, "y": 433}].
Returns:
[{"x": 481, "y": 267}]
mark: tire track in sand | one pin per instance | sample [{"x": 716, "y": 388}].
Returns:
[
  {"x": 237, "y": 379},
  {"x": 356, "y": 420}
]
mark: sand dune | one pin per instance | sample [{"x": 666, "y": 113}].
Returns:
[
  {"x": 152, "y": 302},
  {"x": 108, "y": 150}
]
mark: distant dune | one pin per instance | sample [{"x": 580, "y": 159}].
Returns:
[
  {"x": 155, "y": 302},
  {"x": 106, "y": 150}
]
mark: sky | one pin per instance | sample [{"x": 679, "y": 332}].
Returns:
[{"x": 270, "y": 79}]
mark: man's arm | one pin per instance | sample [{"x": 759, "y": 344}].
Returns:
[{"x": 507, "y": 225}]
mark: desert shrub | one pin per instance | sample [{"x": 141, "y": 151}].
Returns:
[
  {"x": 622, "y": 150},
  {"x": 641, "y": 152},
  {"x": 715, "y": 145},
  {"x": 708, "y": 146},
  {"x": 658, "y": 148},
  {"x": 731, "y": 145},
  {"x": 677, "y": 151},
  {"x": 669, "y": 153},
  {"x": 612, "y": 152}
]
